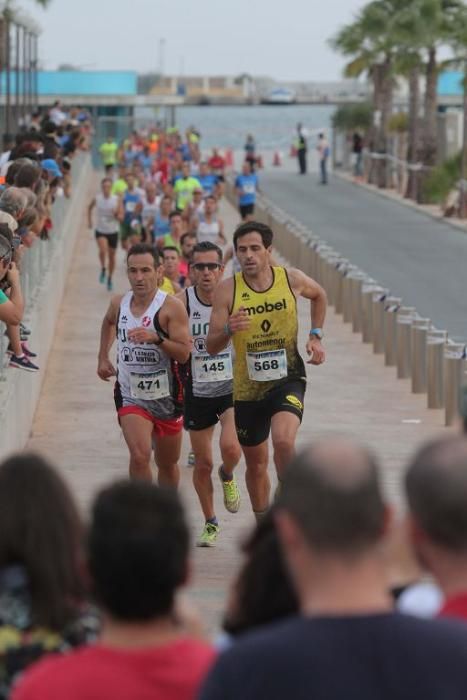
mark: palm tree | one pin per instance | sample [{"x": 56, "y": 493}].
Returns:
[
  {"x": 458, "y": 41},
  {"x": 409, "y": 62},
  {"x": 370, "y": 42},
  {"x": 438, "y": 21}
]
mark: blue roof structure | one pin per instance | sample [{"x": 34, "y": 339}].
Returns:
[
  {"x": 451, "y": 84},
  {"x": 62, "y": 83},
  {"x": 87, "y": 83}
]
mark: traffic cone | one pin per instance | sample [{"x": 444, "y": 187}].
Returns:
[
  {"x": 276, "y": 161},
  {"x": 293, "y": 152}
]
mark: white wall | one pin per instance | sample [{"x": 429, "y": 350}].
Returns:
[{"x": 20, "y": 390}]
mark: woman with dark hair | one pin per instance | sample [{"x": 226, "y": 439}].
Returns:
[
  {"x": 262, "y": 592},
  {"x": 42, "y": 591}
]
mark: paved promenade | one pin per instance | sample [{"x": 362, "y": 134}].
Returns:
[
  {"x": 75, "y": 423},
  {"x": 416, "y": 257}
]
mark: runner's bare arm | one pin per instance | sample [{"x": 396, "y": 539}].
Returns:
[
  {"x": 221, "y": 232},
  {"x": 120, "y": 210},
  {"x": 306, "y": 287},
  {"x": 228, "y": 254},
  {"x": 218, "y": 338},
  {"x": 182, "y": 296},
  {"x": 105, "y": 368},
  {"x": 223, "y": 324},
  {"x": 90, "y": 208},
  {"x": 174, "y": 321}
]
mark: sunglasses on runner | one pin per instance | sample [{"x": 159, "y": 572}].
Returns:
[{"x": 206, "y": 266}]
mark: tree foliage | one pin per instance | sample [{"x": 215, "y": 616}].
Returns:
[{"x": 353, "y": 117}]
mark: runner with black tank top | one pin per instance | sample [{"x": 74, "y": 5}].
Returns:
[
  {"x": 256, "y": 310},
  {"x": 152, "y": 339},
  {"x": 208, "y": 393},
  {"x": 109, "y": 213}
]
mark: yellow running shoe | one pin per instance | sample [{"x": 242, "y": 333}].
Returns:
[
  {"x": 209, "y": 535},
  {"x": 231, "y": 493}
]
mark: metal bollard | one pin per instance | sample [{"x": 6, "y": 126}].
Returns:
[
  {"x": 323, "y": 251},
  {"x": 346, "y": 299},
  {"x": 436, "y": 342},
  {"x": 419, "y": 332},
  {"x": 347, "y": 271},
  {"x": 327, "y": 267},
  {"x": 341, "y": 269},
  {"x": 279, "y": 233},
  {"x": 454, "y": 356},
  {"x": 331, "y": 278},
  {"x": 368, "y": 289},
  {"x": 310, "y": 260},
  {"x": 356, "y": 283},
  {"x": 377, "y": 312},
  {"x": 313, "y": 258},
  {"x": 391, "y": 307},
  {"x": 290, "y": 251},
  {"x": 404, "y": 343}
]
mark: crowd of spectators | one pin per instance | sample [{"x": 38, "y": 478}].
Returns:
[
  {"x": 97, "y": 611},
  {"x": 35, "y": 169}
]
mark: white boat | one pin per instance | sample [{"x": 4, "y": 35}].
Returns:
[{"x": 280, "y": 96}]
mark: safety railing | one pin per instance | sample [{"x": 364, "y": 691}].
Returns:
[{"x": 434, "y": 364}]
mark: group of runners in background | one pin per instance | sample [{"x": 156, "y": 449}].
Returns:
[{"x": 194, "y": 350}]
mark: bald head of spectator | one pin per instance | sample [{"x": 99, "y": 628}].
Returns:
[
  {"x": 332, "y": 521},
  {"x": 436, "y": 489},
  {"x": 14, "y": 201}
]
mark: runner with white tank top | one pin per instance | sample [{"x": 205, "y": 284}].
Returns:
[
  {"x": 109, "y": 212},
  {"x": 209, "y": 226},
  {"x": 146, "y": 376},
  {"x": 152, "y": 334},
  {"x": 208, "y": 393}
]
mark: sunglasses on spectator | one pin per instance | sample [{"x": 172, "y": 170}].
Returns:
[{"x": 206, "y": 266}]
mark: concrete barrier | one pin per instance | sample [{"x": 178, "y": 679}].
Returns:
[{"x": 19, "y": 390}]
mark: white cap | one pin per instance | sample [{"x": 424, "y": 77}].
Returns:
[{"x": 6, "y": 218}]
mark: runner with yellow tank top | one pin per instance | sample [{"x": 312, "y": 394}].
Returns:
[
  {"x": 257, "y": 311},
  {"x": 267, "y": 354}
]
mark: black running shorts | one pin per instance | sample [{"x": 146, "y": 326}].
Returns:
[
  {"x": 200, "y": 413},
  {"x": 253, "y": 418},
  {"x": 246, "y": 210},
  {"x": 112, "y": 238}
]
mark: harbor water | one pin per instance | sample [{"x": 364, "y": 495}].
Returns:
[{"x": 272, "y": 126}]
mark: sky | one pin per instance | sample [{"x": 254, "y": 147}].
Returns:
[{"x": 285, "y": 40}]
